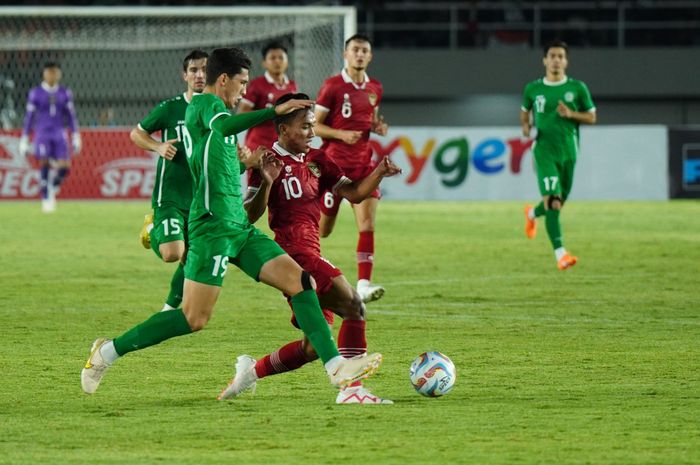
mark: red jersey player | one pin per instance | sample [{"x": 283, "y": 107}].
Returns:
[
  {"x": 264, "y": 91},
  {"x": 292, "y": 195},
  {"x": 347, "y": 110}
]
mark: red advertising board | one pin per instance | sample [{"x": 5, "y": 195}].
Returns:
[{"x": 109, "y": 166}]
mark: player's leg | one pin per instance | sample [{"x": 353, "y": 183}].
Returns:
[
  {"x": 566, "y": 174},
  {"x": 61, "y": 155},
  {"x": 168, "y": 241},
  {"x": 330, "y": 204},
  {"x": 264, "y": 260},
  {"x": 549, "y": 180},
  {"x": 206, "y": 267},
  {"x": 365, "y": 214},
  {"x": 42, "y": 157}
]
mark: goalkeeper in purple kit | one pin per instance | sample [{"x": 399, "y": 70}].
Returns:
[{"x": 49, "y": 109}]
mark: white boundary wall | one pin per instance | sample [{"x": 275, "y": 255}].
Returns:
[{"x": 615, "y": 163}]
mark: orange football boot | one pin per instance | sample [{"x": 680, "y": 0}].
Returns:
[
  {"x": 530, "y": 224},
  {"x": 567, "y": 261}
]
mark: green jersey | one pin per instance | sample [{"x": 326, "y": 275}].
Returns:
[
  {"x": 173, "y": 184},
  {"x": 556, "y": 136},
  {"x": 212, "y": 152}
]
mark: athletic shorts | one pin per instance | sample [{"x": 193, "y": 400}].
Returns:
[
  {"x": 555, "y": 177},
  {"x": 169, "y": 225},
  {"x": 330, "y": 203},
  {"x": 214, "y": 244},
  {"x": 323, "y": 272},
  {"x": 51, "y": 146}
]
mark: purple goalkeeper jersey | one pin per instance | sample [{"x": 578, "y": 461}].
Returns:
[{"x": 49, "y": 109}]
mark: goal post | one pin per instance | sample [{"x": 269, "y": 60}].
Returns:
[{"x": 121, "y": 61}]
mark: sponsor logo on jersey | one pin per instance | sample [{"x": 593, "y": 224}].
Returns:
[
  {"x": 315, "y": 170},
  {"x": 372, "y": 99}
]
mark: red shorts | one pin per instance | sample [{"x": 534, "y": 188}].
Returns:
[
  {"x": 330, "y": 203},
  {"x": 323, "y": 273}
]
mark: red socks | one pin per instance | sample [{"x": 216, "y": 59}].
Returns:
[
  {"x": 287, "y": 358},
  {"x": 365, "y": 255}
]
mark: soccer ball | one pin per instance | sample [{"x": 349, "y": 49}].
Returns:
[{"x": 433, "y": 374}]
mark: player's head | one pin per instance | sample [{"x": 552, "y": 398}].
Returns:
[
  {"x": 295, "y": 129},
  {"x": 275, "y": 59},
  {"x": 194, "y": 68},
  {"x": 556, "y": 58},
  {"x": 227, "y": 73},
  {"x": 51, "y": 73},
  {"x": 358, "y": 52}
]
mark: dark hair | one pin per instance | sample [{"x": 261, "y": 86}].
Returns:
[
  {"x": 193, "y": 55},
  {"x": 289, "y": 117},
  {"x": 556, "y": 44},
  {"x": 52, "y": 64},
  {"x": 229, "y": 61},
  {"x": 273, "y": 46},
  {"x": 358, "y": 38}
]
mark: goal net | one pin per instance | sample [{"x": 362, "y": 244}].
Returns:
[{"x": 120, "y": 62}]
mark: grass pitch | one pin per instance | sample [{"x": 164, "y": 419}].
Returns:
[{"x": 598, "y": 364}]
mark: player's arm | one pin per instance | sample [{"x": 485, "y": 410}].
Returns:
[
  {"x": 28, "y": 125},
  {"x": 228, "y": 125},
  {"x": 357, "y": 191},
  {"x": 525, "y": 122},
  {"x": 259, "y": 193},
  {"x": 326, "y": 132},
  {"x": 143, "y": 140},
  {"x": 581, "y": 117},
  {"x": 379, "y": 126},
  {"x": 73, "y": 123}
]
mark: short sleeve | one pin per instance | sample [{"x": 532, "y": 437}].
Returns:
[
  {"x": 586, "y": 101},
  {"x": 155, "y": 120},
  {"x": 332, "y": 176},
  {"x": 325, "y": 97},
  {"x": 212, "y": 110}
]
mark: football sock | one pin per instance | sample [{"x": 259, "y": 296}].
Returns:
[
  {"x": 538, "y": 210},
  {"x": 60, "y": 176},
  {"x": 108, "y": 352},
  {"x": 553, "y": 228},
  {"x": 558, "y": 253},
  {"x": 158, "y": 328},
  {"x": 177, "y": 283},
  {"x": 310, "y": 319},
  {"x": 352, "y": 341},
  {"x": 286, "y": 358},
  {"x": 44, "y": 173},
  {"x": 365, "y": 255}
]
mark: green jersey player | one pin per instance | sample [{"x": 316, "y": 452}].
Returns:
[
  {"x": 219, "y": 232},
  {"x": 165, "y": 230},
  {"x": 558, "y": 105}
]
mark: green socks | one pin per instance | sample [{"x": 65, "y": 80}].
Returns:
[
  {"x": 310, "y": 318},
  {"x": 177, "y": 283},
  {"x": 158, "y": 328},
  {"x": 539, "y": 210},
  {"x": 551, "y": 221}
]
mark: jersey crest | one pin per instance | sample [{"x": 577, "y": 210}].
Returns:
[
  {"x": 372, "y": 99},
  {"x": 315, "y": 170}
]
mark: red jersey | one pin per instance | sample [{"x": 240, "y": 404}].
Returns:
[
  {"x": 262, "y": 93},
  {"x": 350, "y": 106},
  {"x": 294, "y": 209}
]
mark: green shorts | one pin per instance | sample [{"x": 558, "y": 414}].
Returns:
[
  {"x": 214, "y": 244},
  {"x": 555, "y": 176},
  {"x": 169, "y": 224}
]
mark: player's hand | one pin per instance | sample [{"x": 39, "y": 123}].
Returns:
[
  {"x": 77, "y": 143},
  {"x": 563, "y": 110},
  {"x": 24, "y": 146},
  {"x": 252, "y": 158},
  {"x": 388, "y": 168},
  {"x": 292, "y": 105},
  {"x": 270, "y": 167},
  {"x": 167, "y": 149},
  {"x": 526, "y": 130},
  {"x": 350, "y": 137},
  {"x": 379, "y": 127}
]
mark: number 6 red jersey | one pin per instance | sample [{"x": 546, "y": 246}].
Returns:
[{"x": 351, "y": 107}]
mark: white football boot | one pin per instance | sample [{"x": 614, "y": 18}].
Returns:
[
  {"x": 94, "y": 369},
  {"x": 359, "y": 395},
  {"x": 369, "y": 292},
  {"x": 245, "y": 378},
  {"x": 355, "y": 369}
]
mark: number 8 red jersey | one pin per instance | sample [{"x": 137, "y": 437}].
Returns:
[{"x": 351, "y": 107}]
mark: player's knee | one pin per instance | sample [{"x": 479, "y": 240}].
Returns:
[
  {"x": 554, "y": 202},
  {"x": 309, "y": 351},
  {"x": 171, "y": 252},
  {"x": 196, "y": 320},
  {"x": 170, "y": 256}
]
